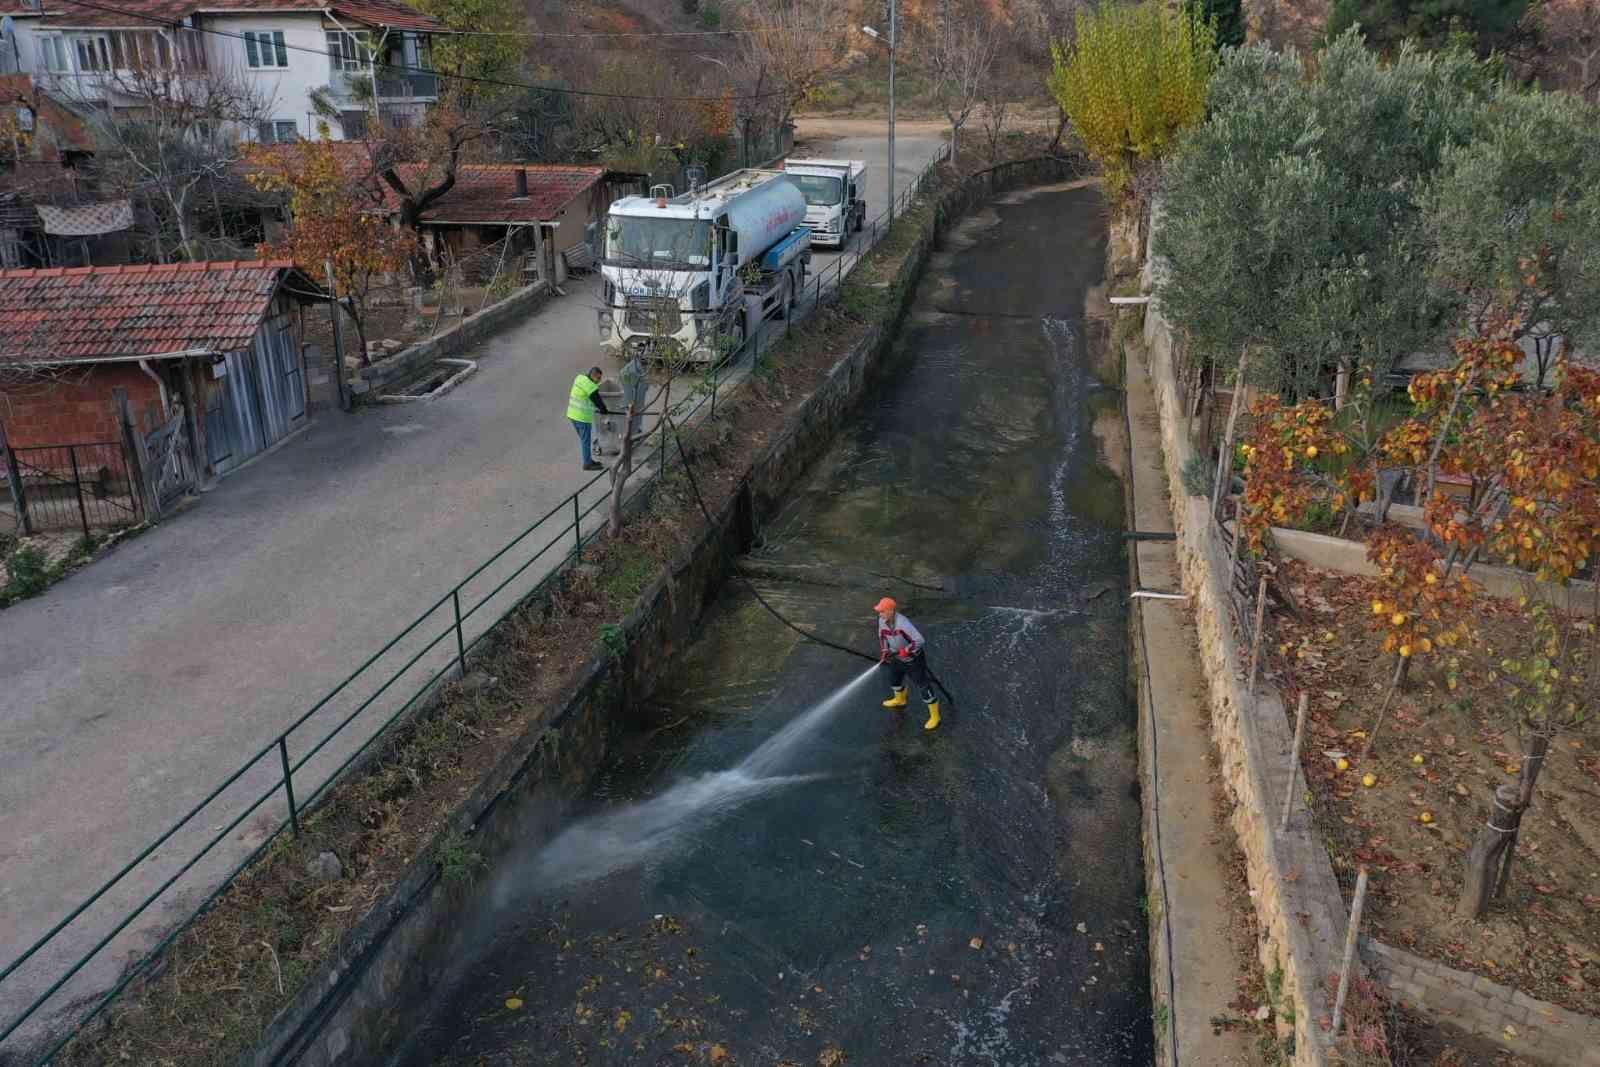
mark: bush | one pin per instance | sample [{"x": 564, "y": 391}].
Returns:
[
  {"x": 30, "y": 574},
  {"x": 1198, "y": 475},
  {"x": 711, "y": 16}
]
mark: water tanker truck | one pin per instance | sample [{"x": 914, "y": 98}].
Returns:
[
  {"x": 691, "y": 276},
  {"x": 836, "y": 197}
]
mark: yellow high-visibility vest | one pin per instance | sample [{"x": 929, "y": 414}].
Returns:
[{"x": 580, "y": 408}]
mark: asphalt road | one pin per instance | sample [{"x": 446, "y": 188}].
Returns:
[{"x": 134, "y": 687}]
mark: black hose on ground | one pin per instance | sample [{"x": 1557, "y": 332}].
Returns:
[{"x": 694, "y": 484}]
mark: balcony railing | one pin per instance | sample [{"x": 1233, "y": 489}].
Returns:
[{"x": 408, "y": 86}]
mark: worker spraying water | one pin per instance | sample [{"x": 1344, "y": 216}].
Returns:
[{"x": 902, "y": 651}]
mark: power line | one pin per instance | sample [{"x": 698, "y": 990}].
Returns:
[{"x": 408, "y": 69}]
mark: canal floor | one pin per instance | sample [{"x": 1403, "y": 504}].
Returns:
[{"x": 769, "y": 870}]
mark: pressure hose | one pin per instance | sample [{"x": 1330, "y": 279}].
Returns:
[{"x": 694, "y": 484}]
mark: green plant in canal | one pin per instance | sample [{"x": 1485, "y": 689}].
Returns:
[
  {"x": 613, "y": 640},
  {"x": 458, "y": 861}
]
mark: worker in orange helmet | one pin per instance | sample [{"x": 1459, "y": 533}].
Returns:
[{"x": 901, "y": 649}]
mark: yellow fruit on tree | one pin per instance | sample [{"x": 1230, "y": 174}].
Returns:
[
  {"x": 1369, "y": 780},
  {"x": 1311, "y": 452},
  {"x": 1377, "y": 607},
  {"x": 1398, "y": 618},
  {"x": 1405, "y": 651},
  {"x": 1343, "y": 764},
  {"x": 1431, "y": 578}
]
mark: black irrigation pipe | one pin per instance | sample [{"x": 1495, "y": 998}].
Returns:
[{"x": 776, "y": 614}]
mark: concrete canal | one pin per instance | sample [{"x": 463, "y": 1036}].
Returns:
[{"x": 772, "y": 868}]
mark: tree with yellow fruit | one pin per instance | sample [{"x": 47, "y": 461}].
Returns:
[{"x": 1551, "y": 690}]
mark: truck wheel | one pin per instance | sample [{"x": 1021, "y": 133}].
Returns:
[{"x": 786, "y": 302}]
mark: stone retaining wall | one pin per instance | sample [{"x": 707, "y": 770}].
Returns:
[
  {"x": 470, "y": 331},
  {"x": 1299, "y": 908},
  {"x": 1515, "y": 1020}
]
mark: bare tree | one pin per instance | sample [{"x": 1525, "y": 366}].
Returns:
[
  {"x": 1569, "y": 43},
  {"x": 171, "y": 134},
  {"x": 992, "y": 115},
  {"x": 793, "y": 46},
  {"x": 959, "y": 49}
]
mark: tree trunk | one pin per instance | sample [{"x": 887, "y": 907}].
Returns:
[
  {"x": 619, "y": 477},
  {"x": 1225, "y": 451},
  {"x": 361, "y": 329},
  {"x": 1489, "y": 851},
  {"x": 1061, "y": 127},
  {"x": 1341, "y": 385},
  {"x": 1532, "y": 764}
]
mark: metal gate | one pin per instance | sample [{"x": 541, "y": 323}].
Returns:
[{"x": 262, "y": 399}]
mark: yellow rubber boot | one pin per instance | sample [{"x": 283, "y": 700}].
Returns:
[
  {"x": 898, "y": 700},
  {"x": 933, "y": 717}
]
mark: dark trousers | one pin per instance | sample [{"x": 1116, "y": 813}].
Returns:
[{"x": 916, "y": 668}]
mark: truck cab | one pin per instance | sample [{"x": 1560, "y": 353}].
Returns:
[{"x": 835, "y": 194}]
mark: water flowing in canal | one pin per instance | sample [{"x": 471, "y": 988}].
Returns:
[{"x": 771, "y": 865}]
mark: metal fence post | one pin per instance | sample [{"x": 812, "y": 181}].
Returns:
[
  {"x": 14, "y": 475},
  {"x": 77, "y": 487},
  {"x": 577, "y": 531},
  {"x": 461, "y": 646},
  {"x": 288, "y": 784}
]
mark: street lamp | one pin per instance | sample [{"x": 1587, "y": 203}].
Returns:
[{"x": 876, "y": 36}]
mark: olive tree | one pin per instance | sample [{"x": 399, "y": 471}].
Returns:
[
  {"x": 1513, "y": 221},
  {"x": 1291, "y": 226}
]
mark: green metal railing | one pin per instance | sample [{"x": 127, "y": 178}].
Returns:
[{"x": 272, "y": 769}]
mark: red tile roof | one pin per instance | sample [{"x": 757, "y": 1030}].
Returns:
[
  {"x": 97, "y": 313},
  {"x": 487, "y": 192},
  {"x": 130, "y": 14}
]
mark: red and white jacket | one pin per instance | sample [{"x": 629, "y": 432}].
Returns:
[{"x": 893, "y": 636}]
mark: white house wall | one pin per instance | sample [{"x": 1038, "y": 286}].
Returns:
[{"x": 286, "y": 93}]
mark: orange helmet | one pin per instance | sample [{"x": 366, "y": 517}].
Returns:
[{"x": 886, "y": 604}]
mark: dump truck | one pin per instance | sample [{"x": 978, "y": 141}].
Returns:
[
  {"x": 687, "y": 277},
  {"x": 836, "y": 197}
]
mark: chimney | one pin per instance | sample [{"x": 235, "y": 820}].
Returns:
[{"x": 522, "y": 182}]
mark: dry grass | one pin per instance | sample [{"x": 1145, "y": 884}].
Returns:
[{"x": 211, "y": 994}]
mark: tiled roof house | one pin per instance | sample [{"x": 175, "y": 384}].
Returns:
[{"x": 212, "y": 347}]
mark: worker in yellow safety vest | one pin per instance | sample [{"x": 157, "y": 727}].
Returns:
[{"x": 581, "y": 406}]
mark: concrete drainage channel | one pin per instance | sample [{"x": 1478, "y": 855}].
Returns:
[
  {"x": 435, "y": 380},
  {"x": 363, "y": 996}
]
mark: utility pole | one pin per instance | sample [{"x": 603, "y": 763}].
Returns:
[
  {"x": 338, "y": 337},
  {"x": 892, "y": 21},
  {"x": 870, "y": 32}
]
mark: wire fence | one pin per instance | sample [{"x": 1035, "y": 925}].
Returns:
[
  {"x": 59, "y": 488},
  {"x": 272, "y": 789}
]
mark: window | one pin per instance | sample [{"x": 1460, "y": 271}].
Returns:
[
  {"x": 53, "y": 50},
  {"x": 94, "y": 54},
  {"x": 279, "y": 131},
  {"x": 265, "y": 48},
  {"x": 348, "y": 52}
]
